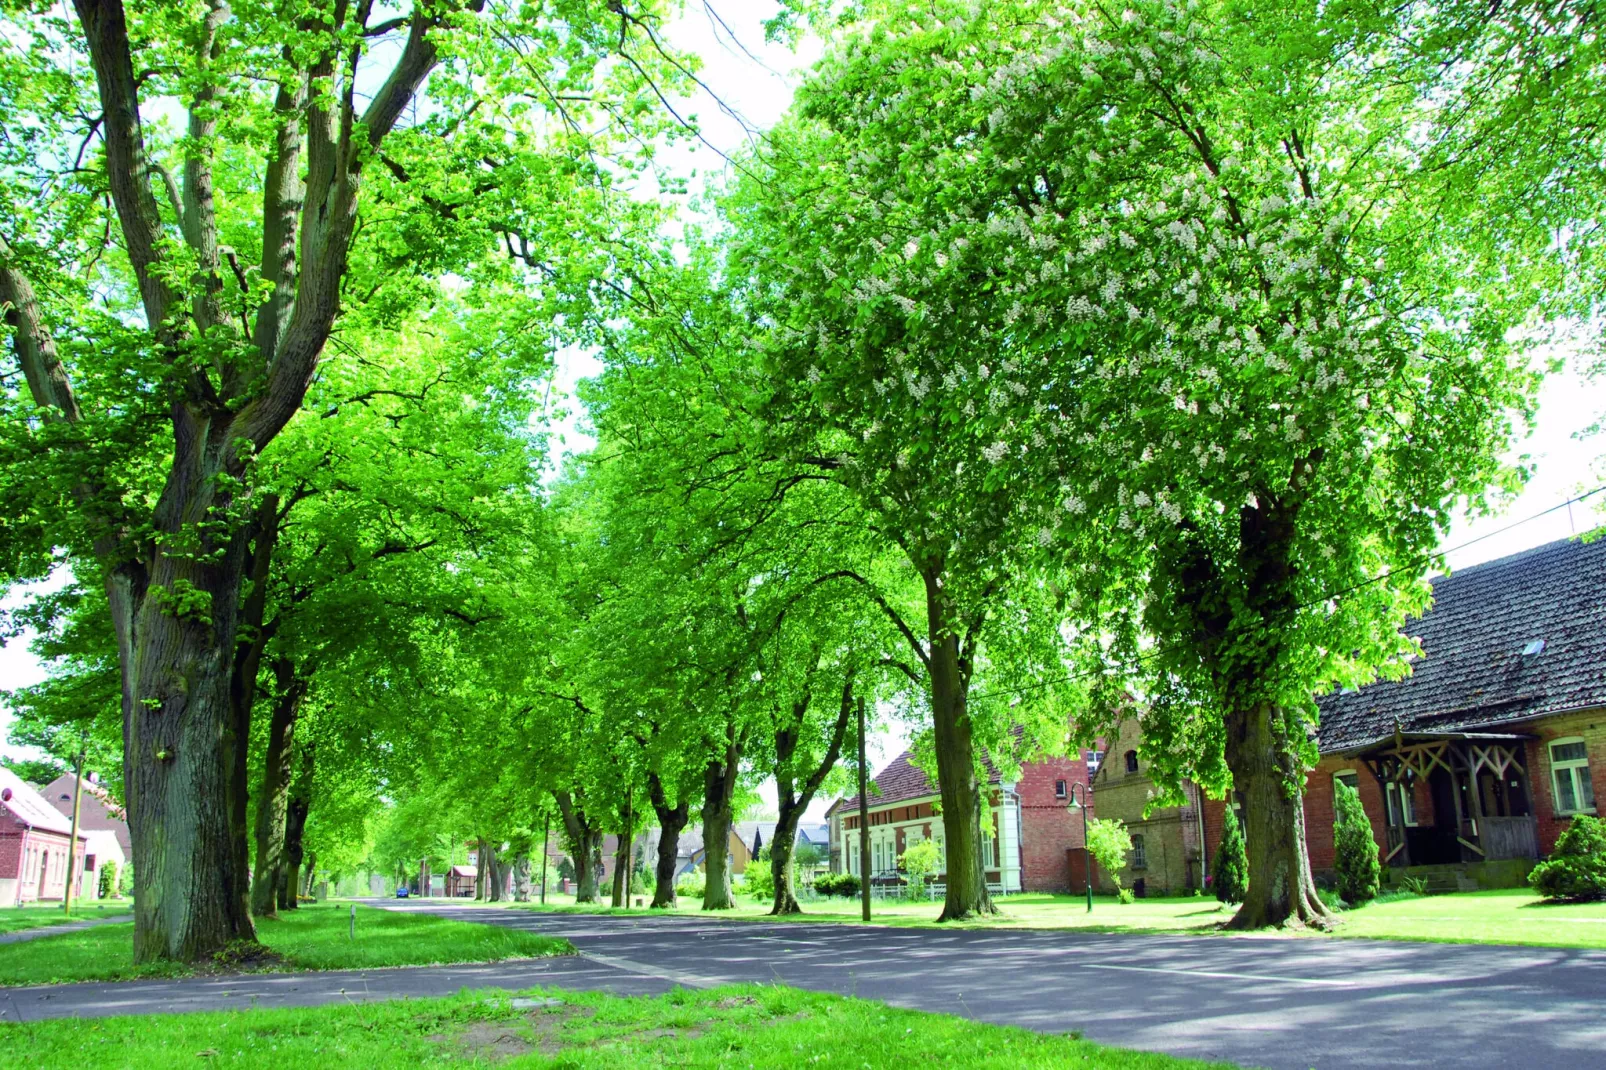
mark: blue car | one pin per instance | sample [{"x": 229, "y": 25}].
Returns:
[{"x": 401, "y": 893}]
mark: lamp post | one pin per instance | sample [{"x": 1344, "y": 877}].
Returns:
[
  {"x": 72, "y": 842},
  {"x": 1083, "y": 806}
]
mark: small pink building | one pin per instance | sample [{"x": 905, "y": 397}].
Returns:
[{"x": 35, "y": 845}]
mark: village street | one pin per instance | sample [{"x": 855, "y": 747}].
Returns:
[{"x": 1268, "y": 1002}]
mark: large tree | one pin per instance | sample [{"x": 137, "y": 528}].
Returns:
[{"x": 225, "y": 255}]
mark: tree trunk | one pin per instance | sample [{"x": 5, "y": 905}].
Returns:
[
  {"x": 793, "y": 803},
  {"x": 253, "y": 638},
  {"x": 274, "y": 796},
  {"x": 621, "y": 867},
  {"x": 295, "y": 824},
  {"x": 1268, "y": 774},
  {"x": 521, "y": 878},
  {"x": 671, "y": 821},
  {"x": 719, "y": 791},
  {"x": 311, "y": 875},
  {"x": 961, "y": 792},
  {"x": 585, "y": 845}
]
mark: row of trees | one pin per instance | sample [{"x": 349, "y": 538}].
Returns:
[{"x": 1045, "y": 361}]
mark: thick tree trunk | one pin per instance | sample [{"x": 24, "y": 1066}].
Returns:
[
  {"x": 521, "y": 878},
  {"x": 671, "y": 822},
  {"x": 781, "y": 849},
  {"x": 295, "y": 824},
  {"x": 253, "y": 638},
  {"x": 966, "y": 877},
  {"x": 621, "y": 868},
  {"x": 719, "y": 792},
  {"x": 793, "y": 802},
  {"x": 585, "y": 847},
  {"x": 274, "y": 795},
  {"x": 1267, "y": 773}
]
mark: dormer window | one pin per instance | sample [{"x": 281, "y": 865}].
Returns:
[{"x": 1534, "y": 648}]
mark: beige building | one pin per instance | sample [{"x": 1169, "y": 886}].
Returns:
[{"x": 1166, "y": 856}]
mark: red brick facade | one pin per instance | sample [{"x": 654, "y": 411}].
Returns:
[{"x": 1048, "y": 829}]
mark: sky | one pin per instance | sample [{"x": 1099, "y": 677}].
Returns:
[{"x": 754, "y": 80}]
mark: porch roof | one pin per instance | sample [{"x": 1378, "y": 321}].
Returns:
[{"x": 1386, "y": 743}]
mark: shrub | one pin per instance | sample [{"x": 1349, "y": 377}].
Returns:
[
  {"x": 1125, "y": 896},
  {"x": 919, "y": 863},
  {"x": 1354, "y": 850},
  {"x": 843, "y": 884},
  {"x": 690, "y": 886},
  {"x": 1230, "y": 875},
  {"x": 1577, "y": 868},
  {"x": 106, "y": 883},
  {"x": 758, "y": 881},
  {"x": 1108, "y": 843}
]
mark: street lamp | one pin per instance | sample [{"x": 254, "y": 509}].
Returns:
[{"x": 1087, "y": 862}]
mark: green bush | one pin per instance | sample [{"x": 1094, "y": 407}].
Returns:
[
  {"x": 690, "y": 885},
  {"x": 919, "y": 863},
  {"x": 1125, "y": 896},
  {"x": 1229, "y": 877},
  {"x": 1354, "y": 850},
  {"x": 1577, "y": 867},
  {"x": 1109, "y": 843},
  {"x": 106, "y": 883},
  {"x": 758, "y": 881},
  {"x": 845, "y": 885}
]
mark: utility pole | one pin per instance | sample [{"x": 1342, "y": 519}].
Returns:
[
  {"x": 72, "y": 843},
  {"x": 630, "y": 844},
  {"x": 864, "y": 824},
  {"x": 546, "y": 840}
]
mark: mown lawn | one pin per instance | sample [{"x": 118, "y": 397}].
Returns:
[
  {"x": 1498, "y": 917},
  {"x": 312, "y": 938},
  {"x": 744, "y": 1026},
  {"x": 15, "y": 919}
]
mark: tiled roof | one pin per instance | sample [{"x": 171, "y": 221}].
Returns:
[
  {"x": 1474, "y": 672},
  {"x": 902, "y": 780},
  {"x": 28, "y": 806}
]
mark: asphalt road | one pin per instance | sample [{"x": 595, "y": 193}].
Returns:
[{"x": 1267, "y": 1002}]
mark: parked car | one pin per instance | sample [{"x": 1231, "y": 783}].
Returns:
[{"x": 402, "y": 893}]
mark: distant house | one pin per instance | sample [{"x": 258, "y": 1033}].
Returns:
[
  {"x": 35, "y": 845},
  {"x": 1027, "y": 829},
  {"x": 103, "y": 821},
  {"x": 460, "y": 881},
  {"x": 1168, "y": 845},
  {"x": 1474, "y": 764}
]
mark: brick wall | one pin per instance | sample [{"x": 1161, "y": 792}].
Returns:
[
  {"x": 1048, "y": 829},
  {"x": 1591, "y": 726}
]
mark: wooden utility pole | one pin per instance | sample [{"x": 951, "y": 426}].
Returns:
[
  {"x": 72, "y": 843},
  {"x": 864, "y": 823}
]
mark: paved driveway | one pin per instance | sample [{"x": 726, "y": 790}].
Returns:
[{"x": 1267, "y": 1002}]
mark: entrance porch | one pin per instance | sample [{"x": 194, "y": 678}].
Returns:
[{"x": 1454, "y": 797}]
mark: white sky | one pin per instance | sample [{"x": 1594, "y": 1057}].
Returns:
[{"x": 758, "y": 87}]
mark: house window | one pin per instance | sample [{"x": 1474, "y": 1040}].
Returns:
[
  {"x": 1140, "y": 856},
  {"x": 1350, "y": 779},
  {"x": 1059, "y": 789},
  {"x": 1401, "y": 801},
  {"x": 1093, "y": 759},
  {"x": 1569, "y": 770},
  {"x": 1131, "y": 761}
]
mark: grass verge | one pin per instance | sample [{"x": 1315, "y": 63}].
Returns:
[
  {"x": 16, "y": 919},
  {"x": 1494, "y": 917},
  {"x": 312, "y": 938},
  {"x": 745, "y": 1026}
]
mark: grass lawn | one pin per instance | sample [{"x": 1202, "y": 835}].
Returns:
[
  {"x": 746, "y": 1026},
  {"x": 312, "y": 938},
  {"x": 14, "y": 919},
  {"x": 1498, "y": 917}
]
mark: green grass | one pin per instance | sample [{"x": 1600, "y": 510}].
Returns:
[
  {"x": 15, "y": 919},
  {"x": 1496, "y": 917},
  {"x": 746, "y": 1026},
  {"x": 312, "y": 938}
]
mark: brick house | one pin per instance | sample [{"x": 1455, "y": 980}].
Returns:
[
  {"x": 1476, "y": 762},
  {"x": 1027, "y": 828},
  {"x": 1168, "y": 855},
  {"x": 35, "y": 843},
  {"x": 102, "y": 820}
]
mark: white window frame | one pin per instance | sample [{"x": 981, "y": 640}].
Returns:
[
  {"x": 1397, "y": 797},
  {"x": 1576, "y": 771},
  {"x": 1346, "y": 776}
]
